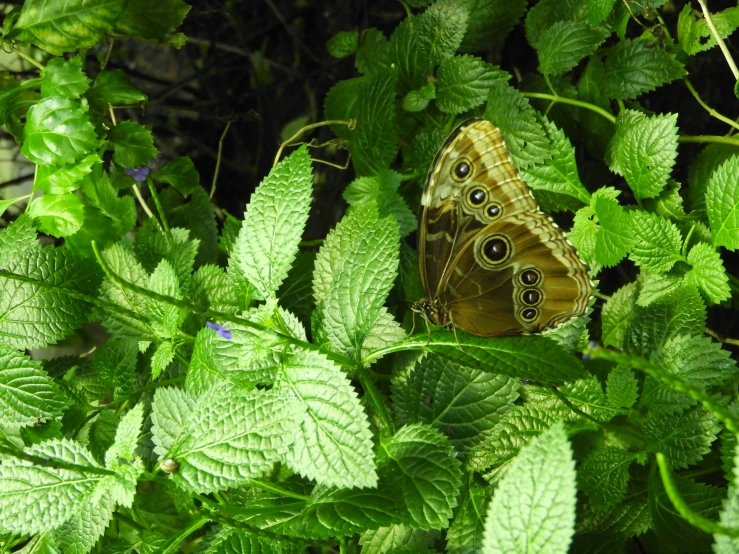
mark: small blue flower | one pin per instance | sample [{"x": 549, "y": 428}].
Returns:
[
  {"x": 226, "y": 334},
  {"x": 592, "y": 344},
  {"x": 138, "y": 173}
]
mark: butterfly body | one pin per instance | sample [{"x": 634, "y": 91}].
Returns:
[{"x": 491, "y": 262}]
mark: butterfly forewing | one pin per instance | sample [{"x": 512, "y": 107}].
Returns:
[{"x": 491, "y": 262}]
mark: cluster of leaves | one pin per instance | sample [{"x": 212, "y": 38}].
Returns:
[{"x": 256, "y": 397}]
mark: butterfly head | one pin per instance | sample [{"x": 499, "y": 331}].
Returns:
[{"x": 432, "y": 311}]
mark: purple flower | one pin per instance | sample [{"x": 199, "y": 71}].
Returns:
[
  {"x": 592, "y": 344},
  {"x": 138, "y": 173},
  {"x": 220, "y": 330}
]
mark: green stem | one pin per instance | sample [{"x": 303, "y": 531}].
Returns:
[
  {"x": 160, "y": 210},
  {"x": 564, "y": 100},
  {"x": 685, "y": 243},
  {"x": 695, "y": 519},
  {"x": 28, "y": 58},
  {"x": 708, "y": 138},
  {"x": 708, "y": 108},
  {"x": 719, "y": 40},
  {"x": 175, "y": 541},
  {"x": 371, "y": 389},
  {"x": 266, "y": 485}
]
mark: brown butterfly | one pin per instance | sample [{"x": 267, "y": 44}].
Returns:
[{"x": 491, "y": 262}]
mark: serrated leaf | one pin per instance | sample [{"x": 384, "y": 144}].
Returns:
[
  {"x": 34, "y": 315},
  {"x": 223, "y": 437},
  {"x": 126, "y": 437},
  {"x": 647, "y": 152},
  {"x": 562, "y": 45},
  {"x": 614, "y": 238},
  {"x": 333, "y": 445},
  {"x": 655, "y": 287},
  {"x": 461, "y": 402},
  {"x": 143, "y": 19},
  {"x": 372, "y": 143},
  {"x": 396, "y": 538},
  {"x": 598, "y": 10},
  {"x": 696, "y": 358},
  {"x": 115, "y": 364},
  {"x": 358, "y": 262},
  {"x": 383, "y": 190},
  {"x": 58, "y": 132},
  {"x": 538, "y": 488},
  {"x": 658, "y": 242},
  {"x": 524, "y": 137},
  {"x": 341, "y": 104},
  {"x": 372, "y": 54},
  {"x": 604, "y": 476},
  {"x": 684, "y": 439},
  {"x": 466, "y": 531},
  {"x": 583, "y": 236},
  {"x": 133, "y": 145},
  {"x": 59, "y": 180},
  {"x": 59, "y": 215},
  {"x": 63, "y": 27},
  {"x": 115, "y": 87},
  {"x": 722, "y": 204},
  {"x": 181, "y": 174},
  {"x": 37, "y": 498},
  {"x": 694, "y": 34},
  {"x": 700, "y": 171},
  {"x": 622, "y": 388},
  {"x": 632, "y": 68},
  {"x": 489, "y": 21},
  {"x": 425, "y": 473},
  {"x": 64, "y": 78},
  {"x": 463, "y": 83},
  {"x": 630, "y": 518},
  {"x": 27, "y": 393},
  {"x": 558, "y": 174},
  {"x": 273, "y": 224},
  {"x": 708, "y": 273},
  {"x": 343, "y": 44},
  {"x": 729, "y": 515},
  {"x": 418, "y": 100}
]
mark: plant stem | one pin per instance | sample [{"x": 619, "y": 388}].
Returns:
[
  {"x": 278, "y": 490},
  {"x": 564, "y": 100},
  {"x": 55, "y": 463},
  {"x": 175, "y": 541},
  {"x": 371, "y": 389},
  {"x": 719, "y": 40},
  {"x": 160, "y": 210},
  {"x": 708, "y": 108},
  {"x": 218, "y": 160},
  {"x": 708, "y": 138}
]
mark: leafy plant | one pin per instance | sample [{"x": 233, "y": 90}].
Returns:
[{"x": 257, "y": 393}]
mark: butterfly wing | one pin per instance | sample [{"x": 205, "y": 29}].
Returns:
[{"x": 488, "y": 255}]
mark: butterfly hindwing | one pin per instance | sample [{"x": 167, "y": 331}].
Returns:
[{"x": 491, "y": 261}]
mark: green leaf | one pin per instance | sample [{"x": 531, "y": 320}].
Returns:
[
  {"x": 151, "y": 20},
  {"x": 694, "y": 34},
  {"x": 64, "y": 78},
  {"x": 58, "y": 132},
  {"x": 99, "y": 193},
  {"x": 633, "y": 67},
  {"x": 466, "y": 531},
  {"x": 38, "y": 498},
  {"x": 224, "y": 437},
  {"x": 628, "y": 519},
  {"x": 597, "y": 130},
  {"x": 59, "y": 180},
  {"x": 115, "y": 365},
  {"x": 462, "y": 402},
  {"x": 441, "y": 29},
  {"x": 5, "y": 204},
  {"x": 133, "y": 145},
  {"x": 115, "y": 87},
  {"x": 604, "y": 476},
  {"x": 538, "y": 488},
  {"x": 598, "y": 10},
  {"x": 425, "y": 474},
  {"x": 708, "y": 273},
  {"x": 372, "y": 54},
  {"x": 273, "y": 224},
  {"x": 722, "y": 204},
  {"x": 729, "y": 515},
  {"x": 584, "y": 236},
  {"x": 684, "y": 439},
  {"x": 463, "y": 83},
  {"x": 383, "y": 190},
  {"x": 697, "y": 359},
  {"x": 80, "y": 533},
  {"x": 655, "y": 286},
  {"x": 658, "y": 242},
  {"x": 489, "y": 21},
  {"x": 126, "y": 438},
  {"x": 396, "y": 538},
  {"x": 198, "y": 216},
  {"x": 372, "y": 144},
  {"x": 533, "y": 357},
  {"x": 181, "y": 174},
  {"x": 418, "y": 100},
  {"x": 558, "y": 174},
  {"x": 646, "y": 153},
  {"x": 562, "y": 46},
  {"x": 525, "y": 139},
  {"x": 341, "y": 104},
  {"x": 585, "y": 394},
  {"x": 614, "y": 238},
  {"x": 622, "y": 388},
  {"x": 27, "y": 393},
  {"x": 355, "y": 270},
  {"x": 34, "y": 315},
  {"x": 334, "y": 444},
  {"x": 700, "y": 171},
  {"x": 67, "y": 26},
  {"x": 59, "y": 215},
  {"x": 343, "y": 44}
]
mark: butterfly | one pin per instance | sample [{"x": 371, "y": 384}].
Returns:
[{"x": 491, "y": 262}]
